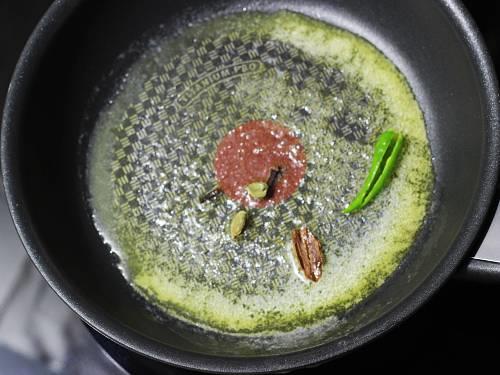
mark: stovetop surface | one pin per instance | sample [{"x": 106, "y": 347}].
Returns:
[{"x": 457, "y": 329}]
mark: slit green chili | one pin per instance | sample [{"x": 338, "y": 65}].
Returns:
[
  {"x": 389, "y": 166},
  {"x": 387, "y": 149}
]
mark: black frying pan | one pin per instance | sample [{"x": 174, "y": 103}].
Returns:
[{"x": 48, "y": 119}]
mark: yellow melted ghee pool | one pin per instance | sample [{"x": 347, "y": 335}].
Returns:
[{"x": 180, "y": 255}]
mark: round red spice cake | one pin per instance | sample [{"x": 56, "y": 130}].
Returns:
[{"x": 250, "y": 152}]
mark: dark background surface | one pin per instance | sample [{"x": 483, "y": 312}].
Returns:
[{"x": 458, "y": 329}]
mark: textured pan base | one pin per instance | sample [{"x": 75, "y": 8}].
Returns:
[{"x": 152, "y": 158}]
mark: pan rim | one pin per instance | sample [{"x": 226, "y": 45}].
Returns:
[{"x": 135, "y": 341}]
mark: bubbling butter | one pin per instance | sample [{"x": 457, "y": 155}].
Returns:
[{"x": 152, "y": 157}]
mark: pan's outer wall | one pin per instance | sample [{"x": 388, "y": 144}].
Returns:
[{"x": 434, "y": 43}]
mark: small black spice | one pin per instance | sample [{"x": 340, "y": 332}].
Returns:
[
  {"x": 272, "y": 180},
  {"x": 211, "y": 195}
]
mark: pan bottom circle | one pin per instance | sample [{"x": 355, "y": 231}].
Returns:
[{"x": 250, "y": 152}]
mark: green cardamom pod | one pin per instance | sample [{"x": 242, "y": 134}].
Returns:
[
  {"x": 238, "y": 223},
  {"x": 257, "y": 190}
]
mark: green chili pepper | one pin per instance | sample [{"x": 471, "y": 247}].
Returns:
[
  {"x": 386, "y": 152},
  {"x": 386, "y": 172}
]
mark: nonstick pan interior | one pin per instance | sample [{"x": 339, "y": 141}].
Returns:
[{"x": 44, "y": 146}]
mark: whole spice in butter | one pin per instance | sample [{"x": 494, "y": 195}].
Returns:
[
  {"x": 257, "y": 190},
  {"x": 238, "y": 223},
  {"x": 309, "y": 253}
]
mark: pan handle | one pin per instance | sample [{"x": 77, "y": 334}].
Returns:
[
  {"x": 479, "y": 270},
  {"x": 484, "y": 265}
]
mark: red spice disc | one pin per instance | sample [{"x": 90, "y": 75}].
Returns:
[{"x": 249, "y": 152}]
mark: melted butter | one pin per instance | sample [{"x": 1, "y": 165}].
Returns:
[{"x": 361, "y": 251}]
